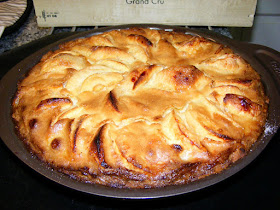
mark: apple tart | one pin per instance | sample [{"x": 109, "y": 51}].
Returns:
[{"x": 140, "y": 108}]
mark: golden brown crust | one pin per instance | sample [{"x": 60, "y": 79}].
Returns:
[{"x": 140, "y": 108}]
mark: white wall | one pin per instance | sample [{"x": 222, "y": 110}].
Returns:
[{"x": 266, "y": 27}]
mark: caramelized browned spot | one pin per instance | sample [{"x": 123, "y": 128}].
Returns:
[
  {"x": 139, "y": 80},
  {"x": 77, "y": 130},
  {"x": 244, "y": 82},
  {"x": 113, "y": 100},
  {"x": 55, "y": 143},
  {"x": 177, "y": 147},
  {"x": 75, "y": 138},
  {"x": 157, "y": 117},
  {"x": 185, "y": 76},
  {"x": 141, "y": 39},
  {"x": 219, "y": 49},
  {"x": 97, "y": 147},
  {"x": 53, "y": 102},
  {"x": 219, "y": 134},
  {"x": 242, "y": 150},
  {"x": 22, "y": 108},
  {"x": 133, "y": 162},
  {"x": 142, "y": 74},
  {"x": 242, "y": 103},
  {"x": 70, "y": 70},
  {"x": 33, "y": 123}
]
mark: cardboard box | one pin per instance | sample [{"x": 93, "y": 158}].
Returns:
[{"x": 173, "y": 12}]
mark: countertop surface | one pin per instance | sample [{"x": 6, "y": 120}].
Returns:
[{"x": 254, "y": 187}]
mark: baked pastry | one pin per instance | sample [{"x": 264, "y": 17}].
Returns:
[{"x": 140, "y": 108}]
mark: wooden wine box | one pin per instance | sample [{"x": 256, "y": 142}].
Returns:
[{"x": 56, "y": 13}]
